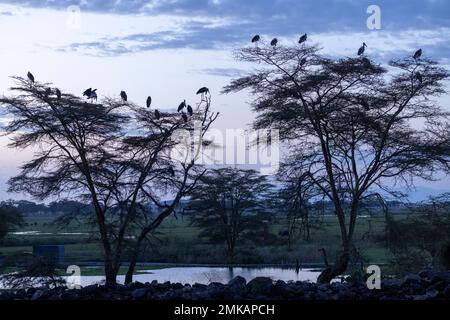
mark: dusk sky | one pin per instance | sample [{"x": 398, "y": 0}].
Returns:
[{"x": 170, "y": 48}]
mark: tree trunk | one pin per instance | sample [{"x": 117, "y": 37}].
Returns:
[
  {"x": 110, "y": 274},
  {"x": 337, "y": 269},
  {"x": 130, "y": 271},
  {"x": 133, "y": 260}
]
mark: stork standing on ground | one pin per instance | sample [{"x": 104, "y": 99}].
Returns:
[
  {"x": 274, "y": 42},
  {"x": 256, "y": 38},
  {"x": 149, "y": 101}
]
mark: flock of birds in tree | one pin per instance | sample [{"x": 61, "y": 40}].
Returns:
[
  {"x": 274, "y": 41},
  {"x": 91, "y": 94},
  {"x": 361, "y": 51}
]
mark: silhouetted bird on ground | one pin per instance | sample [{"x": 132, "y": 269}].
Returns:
[
  {"x": 274, "y": 42},
  {"x": 58, "y": 93},
  {"x": 181, "y": 106},
  {"x": 157, "y": 115},
  {"x": 124, "y": 96},
  {"x": 189, "y": 110},
  {"x": 203, "y": 90},
  {"x": 30, "y": 77},
  {"x": 417, "y": 54},
  {"x": 362, "y": 49},
  {"x": 256, "y": 38},
  {"x": 303, "y": 38},
  {"x": 149, "y": 101}
]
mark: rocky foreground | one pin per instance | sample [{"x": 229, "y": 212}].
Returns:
[{"x": 427, "y": 285}]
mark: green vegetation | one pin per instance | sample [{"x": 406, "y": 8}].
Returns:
[{"x": 178, "y": 242}]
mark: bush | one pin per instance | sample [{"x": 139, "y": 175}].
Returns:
[{"x": 444, "y": 255}]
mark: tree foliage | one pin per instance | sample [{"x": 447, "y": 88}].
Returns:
[
  {"x": 229, "y": 206},
  {"x": 352, "y": 127},
  {"x": 115, "y": 155}
]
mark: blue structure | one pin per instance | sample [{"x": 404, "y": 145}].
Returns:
[{"x": 54, "y": 253}]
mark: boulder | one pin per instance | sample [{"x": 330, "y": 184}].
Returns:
[
  {"x": 140, "y": 293},
  {"x": 260, "y": 286},
  {"x": 237, "y": 281},
  {"x": 411, "y": 278},
  {"x": 38, "y": 295}
]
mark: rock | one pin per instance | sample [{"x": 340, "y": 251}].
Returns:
[
  {"x": 434, "y": 276},
  {"x": 446, "y": 292},
  {"x": 428, "y": 285},
  {"x": 177, "y": 286},
  {"x": 411, "y": 278},
  {"x": 199, "y": 286},
  {"x": 280, "y": 288},
  {"x": 140, "y": 293},
  {"x": 38, "y": 295},
  {"x": 7, "y": 295},
  {"x": 260, "y": 286},
  {"x": 216, "y": 290},
  {"x": 237, "y": 281},
  {"x": 90, "y": 289},
  {"x": 429, "y": 295}
]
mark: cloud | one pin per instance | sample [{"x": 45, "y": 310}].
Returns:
[
  {"x": 223, "y": 72},
  {"x": 205, "y": 34},
  {"x": 277, "y": 16}
]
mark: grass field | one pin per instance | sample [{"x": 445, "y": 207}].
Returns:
[{"x": 178, "y": 242}]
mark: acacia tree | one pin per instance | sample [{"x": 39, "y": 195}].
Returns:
[
  {"x": 114, "y": 154},
  {"x": 299, "y": 199},
  {"x": 228, "y": 205},
  {"x": 10, "y": 217},
  {"x": 353, "y": 126}
]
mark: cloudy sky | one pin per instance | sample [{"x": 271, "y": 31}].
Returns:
[{"x": 170, "y": 48}]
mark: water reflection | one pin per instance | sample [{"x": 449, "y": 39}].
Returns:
[{"x": 207, "y": 275}]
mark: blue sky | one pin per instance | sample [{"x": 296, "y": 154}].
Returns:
[{"x": 170, "y": 48}]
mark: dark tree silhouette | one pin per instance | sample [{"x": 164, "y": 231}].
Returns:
[
  {"x": 10, "y": 217},
  {"x": 352, "y": 125},
  {"x": 300, "y": 201},
  {"x": 114, "y": 155},
  {"x": 228, "y": 205}
]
